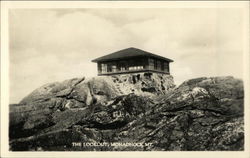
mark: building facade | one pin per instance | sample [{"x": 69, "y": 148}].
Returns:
[{"x": 132, "y": 60}]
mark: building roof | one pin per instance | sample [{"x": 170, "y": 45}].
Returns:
[{"x": 127, "y": 53}]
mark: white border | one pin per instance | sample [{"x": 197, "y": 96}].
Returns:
[{"x": 6, "y": 5}]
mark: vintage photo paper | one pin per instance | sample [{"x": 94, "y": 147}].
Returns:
[{"x": 142, "y": 78}]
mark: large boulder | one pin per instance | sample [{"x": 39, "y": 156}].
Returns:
[
  {"x": 36, "y": 110},
  {"x": 86, "y": 91},
  {"x": 200, "y": 114}
]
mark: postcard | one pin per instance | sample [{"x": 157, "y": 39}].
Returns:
[{"x": 127, "y": 79}]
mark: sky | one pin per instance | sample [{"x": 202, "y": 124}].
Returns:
[{"x": 49, "y": 45}]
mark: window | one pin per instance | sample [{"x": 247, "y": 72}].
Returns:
[
  {"x": 122, "y": 66},
  {"x": 103, "y": 67},
  {"x": 151, "y": 63},
  {"x": 136, "y": 67},
  {"x": 166, "y": 66},
  {"x": 109, "y": 67},
  {"x": 158, "y": 65},
  {"x": 162, "y": 66},
  {"x": 113, "y": 68},
  {"x": 155, "y": 64}
]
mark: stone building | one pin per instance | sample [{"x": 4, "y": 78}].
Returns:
[{"x": 132, "y": 60}]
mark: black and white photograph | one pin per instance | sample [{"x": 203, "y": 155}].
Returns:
[{"x": 141, "y": 78}]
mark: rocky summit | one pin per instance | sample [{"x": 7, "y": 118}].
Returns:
[{"x": 133, "y": 112}]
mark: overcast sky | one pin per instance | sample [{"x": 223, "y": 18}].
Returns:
[{"x": 54, "y": 45}]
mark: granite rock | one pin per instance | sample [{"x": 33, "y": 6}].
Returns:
[{"x": 202, "y": 114}]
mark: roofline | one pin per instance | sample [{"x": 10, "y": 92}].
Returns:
[
  {"x": 114, "y": 59},
  {"x": 145, "y": 55}
]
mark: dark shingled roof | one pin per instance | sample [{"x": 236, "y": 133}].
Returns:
[{"x": 126, "y": 53}]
